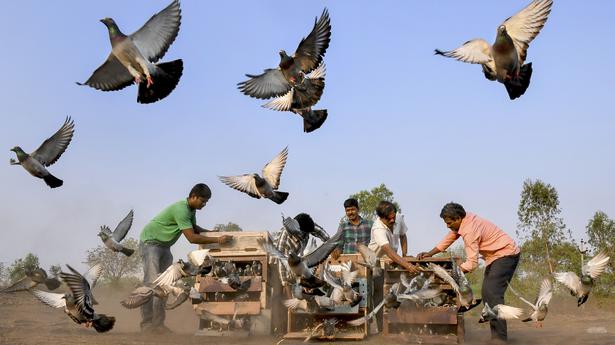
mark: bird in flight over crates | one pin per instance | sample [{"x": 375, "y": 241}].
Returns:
[
  {"x": 540, "y": 306},
  {"x": 459, "y": 283},
  {"x": 581, "y": 287}
]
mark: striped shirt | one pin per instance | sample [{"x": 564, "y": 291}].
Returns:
[
  {"x": 354, "y": 234},
  {"x": 295, "y": 243}
]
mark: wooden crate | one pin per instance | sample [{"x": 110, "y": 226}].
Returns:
[
  {"x": 243, "y": 250},
  {"x": 428, "y": 325},
  {"x": 301, "y": 323}
]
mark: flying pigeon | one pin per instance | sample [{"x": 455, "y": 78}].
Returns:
[
  {"x": 343, "y": 286},
  {"x": 144, "y": 294},
  {"x": 581, "y": 288},
  {"x": 133, "y": 57},
  {"x": 32, "y": 279},
  {"x": 298, "y": 81},
  {"x": 77, "y": 304},
  {"x": 459, "y": 283},
  {"x": 500, "y": 311},
  {"x": 371, "y": 259},
  {"x": 504, "y": 61},
  {"x": 265, "y": 186},
  {"x": 233, "y": 323},
  {"x": 391, "y": 300},
  {"x": 310, "y": 303},
  {"x": 199, "y": 263},
  {"x": 540, "y": 307},
  {"x": 295, "y": 100},
  {"x": 112, "y": 239},
  {"x": 47, "y": 154},
  {"x": 301, "y": 266}
]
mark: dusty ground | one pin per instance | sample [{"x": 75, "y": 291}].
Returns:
[{"x": 24, "y": 320}]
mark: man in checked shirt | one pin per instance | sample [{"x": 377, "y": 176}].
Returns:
[{"x": 291, "y": 241}]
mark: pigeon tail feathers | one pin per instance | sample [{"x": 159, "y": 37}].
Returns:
[
  {"x": 165, "y": 78},
  {"x": 127, "y": 251},
  {"x": 53, "y": 181},
  {"x": 279, "y": 197},
  {"x": 104, "y": 323},
  {"x": 517, "y": 87},
  {"x": 313, "y": 119}
]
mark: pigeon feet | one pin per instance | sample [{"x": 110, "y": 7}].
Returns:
[
  {"x": 138, "y": 80},
  {"x": 150, "y": 82}
]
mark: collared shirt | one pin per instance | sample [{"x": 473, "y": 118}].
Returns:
[
  {"x": 399, "y": 229},
  {"x": 380, "y": 236},
  {"x": 167, "y": 226},
  {"x": 480, "y": 236},
  {"x": 353, "y": 234},
  {"x": 295, "y": 243}
]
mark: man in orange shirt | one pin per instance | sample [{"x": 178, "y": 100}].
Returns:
[{"x": 500, "y": 252}]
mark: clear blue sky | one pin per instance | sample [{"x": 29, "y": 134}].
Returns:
[{"x": 432, "y": 129}]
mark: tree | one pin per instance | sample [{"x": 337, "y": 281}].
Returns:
[
  {"x": 20, "y": 266},
  {"x": 547, "y": 245},
  {"x": 4, "y": 274},
  {"x": 228, "y": 227},
  {"x": 601, "y": 234},
  {"x": 54, "y": 270},
  {"x": 368, "y": 200},
  {"x": 116, "y": 266}
]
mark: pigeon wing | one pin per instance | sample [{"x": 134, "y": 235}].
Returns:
[
  {"x": 54, "y": 300},
  {"x": 362, "y": 320},
  {"x": 243, "y": 183},
  {"x": 506, "y": 312},
  {"x": 273, "y": 170},
  {"x": 524, "y": 26},
  {"x": 330, "y": 279},
  {"x": 138, "y": 297},
  {"x": 533, "y": 306},
  {"x": 215, "y": 318},
  {"x": 271, "y": 83},
  {"x": 155, "y": 37},
  {"x": 476, "y": 51},
  {"x": 596, "y": 265},
  {"x": 282, "y": 103},
  {"x": 319, "y": 72},
  {"x": 80, "y": 288},
  {"x": 441, "y": 272},
  {"x": 93, "y": 274},
  {"x": 291, "y": 225},
  {"x": 311, "y": 49},
  {"x": 545, "y": 293},
  {"x": 122, "y": 228},
  {"x": 50, "y": 150},
  {"x": 110, "y": 76},
  {"x": 321, "y": 253},
  {"x": 369, "y": 256},
  {"x": 349, "y": 277},
  {"x": 169, "y": 276},
  {"x": 569, "y": 279},
  {"x": 458, "y": 275},
  {"x": 197, "y": 257},
  {"x": 420, "y": 295}
]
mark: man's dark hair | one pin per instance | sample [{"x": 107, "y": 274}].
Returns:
[
  {"x": 385, "y": 208},
  {"x": 306, "y": 223},
  {"x": 201, "y": 190},
  {"x": 351, "y": 202},
  {"x": 452, "y": 210}
]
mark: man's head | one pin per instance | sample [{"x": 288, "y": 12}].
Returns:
[
  {"x": 306, "y": 223},
  {"x": 452, "y": 214},
  {"x": 199, "y": 196},
  {"x": 351, "y": 207},
  {"x": 386, "y": 211}
]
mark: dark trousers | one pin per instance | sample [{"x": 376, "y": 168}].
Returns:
[{"x": 495, "y": 282}]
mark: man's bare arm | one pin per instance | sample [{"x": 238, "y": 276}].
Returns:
[
  {"x": 195, "y": 238},
  {"x": 398, "y": 259}
]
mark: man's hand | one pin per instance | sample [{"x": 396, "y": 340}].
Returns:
[
  {"x": 335, "y": 254},
  {"x": 423, "y": 255},
  {"x": 225, "y": 239},
  {"x": 412, "y": 268}
]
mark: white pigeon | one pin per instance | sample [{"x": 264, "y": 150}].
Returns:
[
  {"x": 540, "y": 307},
  {"x": 581, "y": 287},
  {"x": 501, "y": 312},
  {"x": 262, "y": 187},
  {"x": 199, "y": 262}
]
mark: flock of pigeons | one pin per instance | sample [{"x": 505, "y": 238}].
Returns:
[{"x": 295, "y": 85}]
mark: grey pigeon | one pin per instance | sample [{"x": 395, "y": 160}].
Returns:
[
  {"x": 501, "y": 312},
  {"x": 265, "y": 186},
  {"x": 581, "y": 287},
  {"x": 142, "y": 295},
  {"x": 31, "y": 280},
  {"x": 390, "y": 300},
  {"x": 112, "y": 239},
  {"x": 343, "y": 286},
  {"x": 77, "y": 304},
  {"x": 459, "y": 283},
  {"x": 301, "y": 266},
  {"x": 199, "y": 263},
  {"x": 48, "y": 153},
  {"x": 371, "y": 259},
  {"x": 291, "y": 71},
  {"x": 134, "y": 57},
  {"x": 233, "y": 323},
  {"x": 504, "y": 61},
  {"x": 540, "y": 306}
]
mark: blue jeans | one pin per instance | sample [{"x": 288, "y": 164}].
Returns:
[{"x": 156, "y": 259}]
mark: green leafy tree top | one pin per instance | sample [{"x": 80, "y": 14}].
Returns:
[
  {"x": 54, "y": 270},
  {"x": 368, "y": 200},
  {"x": 601, "y": 233},
  {"x": 116, "y": 266},
  {"x": 19, "y": 268}
]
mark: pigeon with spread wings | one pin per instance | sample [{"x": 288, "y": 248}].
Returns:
[
  {"x": 32, "y": 279},
  {"x": 504, "y": 61},
  {"x": 262, "y": 187},
  {"x": 112, "y": 239},
  {"x": 299, "y": 80},
  {"x": 133, "y": 57},
  {"x": 540, "y": 307},
  {"x": 581, "y": 287},
  {"x": 48, "y": 153}
]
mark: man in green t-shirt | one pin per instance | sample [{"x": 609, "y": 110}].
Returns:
[{"x": 156, "y": 240}]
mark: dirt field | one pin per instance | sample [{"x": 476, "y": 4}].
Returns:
[{"x": 24, "y": 320}]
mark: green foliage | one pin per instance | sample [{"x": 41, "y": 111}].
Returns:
[
  {"x": 19, "y": 268},
  {"x": 368, "y": 200},
  {"x": 116, "y": 266},
  {"x": 601, "y": 235},
  {"x": 54, "y": 270},
  {"x": 228, "y": 227}
]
